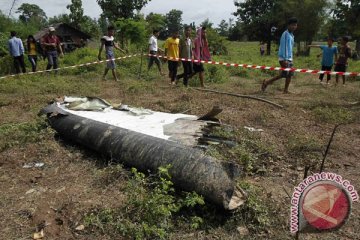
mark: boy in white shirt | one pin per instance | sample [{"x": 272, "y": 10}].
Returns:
[{"x": 153, "y": 50}]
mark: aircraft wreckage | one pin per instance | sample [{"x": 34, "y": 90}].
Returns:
[{"x": 147, "y": 140}]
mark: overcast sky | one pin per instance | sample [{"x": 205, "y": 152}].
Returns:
[{"x": 193, "y": 10}]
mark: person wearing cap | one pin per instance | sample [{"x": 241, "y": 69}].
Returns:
[
  {"x": 52, "y": 45},
  {"x": 285, "y": 54},
  {"x": 16, "y": 49},
  {"x": 108, "y": 43}
]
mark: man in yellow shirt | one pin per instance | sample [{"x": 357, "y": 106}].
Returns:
[{"x": 172, "y": 52}]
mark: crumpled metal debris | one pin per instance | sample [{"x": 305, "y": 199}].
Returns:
[
  {"x": 251, "y": 129},
  {"x": 33, "y": 165}
]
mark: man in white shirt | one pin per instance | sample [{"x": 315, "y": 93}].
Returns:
[{"x": 153, "y": 51}]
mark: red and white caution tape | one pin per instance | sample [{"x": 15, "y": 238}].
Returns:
[
  {"x": 261, "y": 67},
  {"x": 71, "y": 67},
  {"x": 201, "y": 61}
]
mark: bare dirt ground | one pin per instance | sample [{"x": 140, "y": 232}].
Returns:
[{"x": 71, "y": 182}]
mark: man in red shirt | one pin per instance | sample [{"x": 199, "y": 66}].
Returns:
[{"x": 52, "y": 45}]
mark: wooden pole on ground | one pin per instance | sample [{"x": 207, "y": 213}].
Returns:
[
  {"x": 328, "y": 148},
  {"x": 141, "y": 63},
  {"x": 241, "y": 96}
]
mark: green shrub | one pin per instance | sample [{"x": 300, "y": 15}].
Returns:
[
  {"x": 3, "y": 44},
  {"x": 80, "y": 56},
  {"x": 149, "y": 210},
  {"x": 18, "y": 134},
  {"x": 6, "y": 65},
  {"x": 216, "y": 74},
  {"x": 255, "y": 213}
]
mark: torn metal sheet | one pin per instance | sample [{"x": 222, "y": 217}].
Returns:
[
  {"x": 86, "y": 103},
  {"x": 147, "y": 142}
]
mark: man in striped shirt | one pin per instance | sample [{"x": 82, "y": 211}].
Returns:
[{"x": 285, "y": 56}]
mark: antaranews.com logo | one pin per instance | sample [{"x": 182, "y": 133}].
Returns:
[{"x": 322, "y": 202}]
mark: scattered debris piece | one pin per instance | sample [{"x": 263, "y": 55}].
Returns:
[
  {"x": 123, "y": 107},
  {"x": 61, "y": 190},
  {"x": 33, "y": 165},
  {"x": 36, "y": 190},
  {"x": 39, "y": 235},
  {"x": 30, "y": 191},
  {"x": 86, "y": 103},
  {"x": 80, "y": 228},
  {"x": 210, "y": 116},
  {"x": 251, "y": 129}
]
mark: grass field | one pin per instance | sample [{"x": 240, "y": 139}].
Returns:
[{"x": 80, "y": 195}]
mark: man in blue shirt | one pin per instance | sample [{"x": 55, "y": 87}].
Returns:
[
  {"x": 16, "y": 49},
  {"x": 285, "y": 56},
  {"x": 328, "y": 53}
]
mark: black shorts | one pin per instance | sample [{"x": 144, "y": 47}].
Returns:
[
  {"x": 286, "y": 74},
  {"x": 340, "y": 68},
  {"x": 198, "y": 68}
]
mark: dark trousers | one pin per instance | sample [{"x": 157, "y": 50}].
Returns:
[
  {"x": 19, "y": 63},
  {"x": 188, "y": 70},
  {"x": 325, "y": 68},
  {"x": 153, "y": 59},
  {"x": 33, "y": 61},
  {"x": 173, "y": 66},
  {"x": 52, "y": 60}
]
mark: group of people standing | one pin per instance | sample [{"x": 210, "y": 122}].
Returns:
[
  {"x": 190, "y": 51},
  {"x": 50, "y": 44},
  {"x": 185, "y": 49},
  {"x": 334, "y": 55},
  {"x": 331, "y": 56}
]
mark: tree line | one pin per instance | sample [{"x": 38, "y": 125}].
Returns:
[{"x": 318, "y": 19}]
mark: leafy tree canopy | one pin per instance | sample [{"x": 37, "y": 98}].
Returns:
[
  {"x": 31, "y": 12},
  {"x": 116, "y": 9},
  {"x": 76, "y": 13}
]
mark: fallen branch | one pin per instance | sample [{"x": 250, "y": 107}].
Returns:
[{"x": 241, "y": 96}]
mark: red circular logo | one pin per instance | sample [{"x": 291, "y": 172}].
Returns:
[{"x": 326, "y": 206}]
